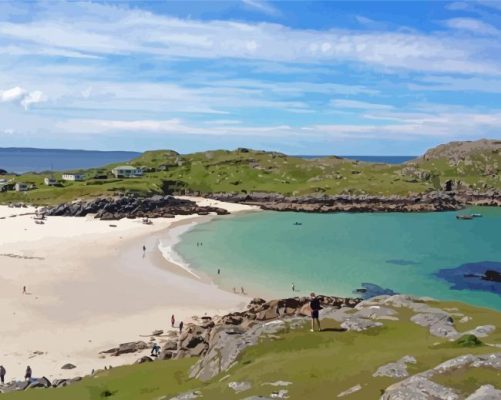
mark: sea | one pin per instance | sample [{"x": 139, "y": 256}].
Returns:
[
  {"x": 350, "y": 254},
  {"x": 21, "y": 160}
]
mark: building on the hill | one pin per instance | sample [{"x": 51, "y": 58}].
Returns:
[
  {"x": 21, "y": 187},
  {"x": 49, "y": 181},
  {"x": 126, "y": 171},
  {"x": 73, "y": 177}
]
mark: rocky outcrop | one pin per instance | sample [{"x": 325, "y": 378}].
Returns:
[
  {"x": 435, "y": 201},
  {"x": 124, "y": 348},
  {"x": 132, "y": 207},
  {"x": 422, "y": 387},
  {"x": 397, "y": 369}
]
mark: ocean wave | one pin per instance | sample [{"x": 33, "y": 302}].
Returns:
[{"x": 167, "y": 244}]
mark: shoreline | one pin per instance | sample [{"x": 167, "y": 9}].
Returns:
[{"x": 91, "y": 290}]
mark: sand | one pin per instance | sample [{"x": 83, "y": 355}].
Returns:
[{"x": 90, "y": 288}]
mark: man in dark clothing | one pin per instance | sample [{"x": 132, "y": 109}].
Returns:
[
  {"x": 181, "y": 327},
  {"x": 2, "y": 374},
  {"x": 315, "y": 309},
  {"x": 27, "y": 375}
]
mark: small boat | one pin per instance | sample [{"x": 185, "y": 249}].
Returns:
[
  {"x": 298, "y": 223},
  {"x": 476, "y": 215},
  {"x": 464, "y": 216}
]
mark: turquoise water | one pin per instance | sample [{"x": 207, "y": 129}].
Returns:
[{"x": 335, "y": 253}]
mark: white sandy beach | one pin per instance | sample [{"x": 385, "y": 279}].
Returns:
[{"x": 90, "y": 288}]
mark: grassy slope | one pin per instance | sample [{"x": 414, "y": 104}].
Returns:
[
  {"x": 237, "y": 171},
  {"x": 320, "y": 365}
]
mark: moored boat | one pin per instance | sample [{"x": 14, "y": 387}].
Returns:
[{"x": 464, "y": 216}]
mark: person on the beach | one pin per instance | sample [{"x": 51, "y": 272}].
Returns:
[
  {"x": 219, "y": 271},
  {"x": 155, "y": 350},
  {"x": 242, "y": 290},
  {"x": 293, "y": 287},
  {"x": 172, "y": 320},
  {"x": 2, "y": 374},
  {"x": 181, "y": 324},
  {"x": 24, "y": 289},
  {"x": 144, "y": 250},
  {"x": 27, "y": 375},
  {"x": 315, "y": 309}
]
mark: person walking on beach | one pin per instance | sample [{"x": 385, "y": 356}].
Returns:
[
  {"x": 24, "y": 290},
  {"x": 315, "y": 309},
  {"x": 219, "y": 271},
  {"x": 242, "y": 290},
  {"x": 144, "y": 250},
  {"x": 293, "y": 287},
  {"x": 27, "y": 375},
  {"x": 2, "y": 374},
  {"x": 181, "y": 324},
  {"x": 172, "y": 320}
]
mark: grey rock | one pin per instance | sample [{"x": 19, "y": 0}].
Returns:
[
  {"x": 419, "y": 388},
  {"x": 359, "y": 324},
  {"x": 240, "y": 386},
  {"x": 144, "y": 359},
  {"x": 349, "y": 391},
  {"x": 375, "y": 312},
  {"x": 481, "y": 331},
  {"x": 281, "y": 394},
  {"x": 124, "y": 348},
  {"x": 225, "y": 345},
  {"x": 39, "y": 383},
  {"x": 187, "y": 396},
  {"x": 68, "y": 366},
  {"x": 396, "y": 369},
  {"x": 485, "y": 392}
]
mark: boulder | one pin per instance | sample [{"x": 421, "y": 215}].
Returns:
[
  {"x": 39, "y": 383},
  {"x": 359, "y": 324},
  {"x": 157, "y": 332},
  {"x": 187, "y": 396},
  {"x": 396, "y": 369},
  {"x": 240, "y": 386},
  {"x": 124, "y": 348},
  {"x": 166, "y": 355},
  {"x": 351, "y": 390},
  {"x": 68, "y": 366},
  {"x": 485, "y": 392}
]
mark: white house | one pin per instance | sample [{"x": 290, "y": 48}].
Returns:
[
  {"x": 126, "y": 171},
  {"x": 50, "y": 181},
  {"x": 73, "y": 177},
  {"x": 21, "y": 187}
]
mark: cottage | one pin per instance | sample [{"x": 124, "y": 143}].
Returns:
[
  {"x": 73, "y": 177},
  {"x": 126, "y": 171},
  {"x": 21, "y": 187},
  {"x": 50, "y": 181}
]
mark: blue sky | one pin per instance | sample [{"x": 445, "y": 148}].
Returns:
[{"x": 299, "y": 77}]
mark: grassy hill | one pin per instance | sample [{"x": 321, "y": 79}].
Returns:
[
  {"x": 320, "y": 365},
  {"x": 474, "y": 164}
]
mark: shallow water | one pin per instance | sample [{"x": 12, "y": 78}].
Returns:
[{"x": 336, "y": 253}]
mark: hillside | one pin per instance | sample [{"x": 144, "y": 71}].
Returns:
[
  {"x": 375, "y": 351},
  {"x": 474, "y": 165}
]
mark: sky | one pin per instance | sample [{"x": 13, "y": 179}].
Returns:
[{"x": 301, "y": 77}]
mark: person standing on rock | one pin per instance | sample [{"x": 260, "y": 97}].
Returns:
[
  {"x": 181, "y": 327},
  {"x": 27, "y": 375},
  {"x": 172, "y": 320},
  {"x": 155, "y": 350},
  {"x": 315, "y": 310},
  {"x": 2, "y": 374}
]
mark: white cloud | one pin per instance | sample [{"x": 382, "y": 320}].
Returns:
[
  {"x": 359, "y": 105},
  {"x": 262, "y": 6},
  {"x": 100, "y": 30},
  {"x": 472, "y": 25},
  {"x": 21, "y": 96}
]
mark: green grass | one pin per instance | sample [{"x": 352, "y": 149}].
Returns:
[
  {"x": 259, "y": 171},
  {"x": 320, "y": 365}
]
